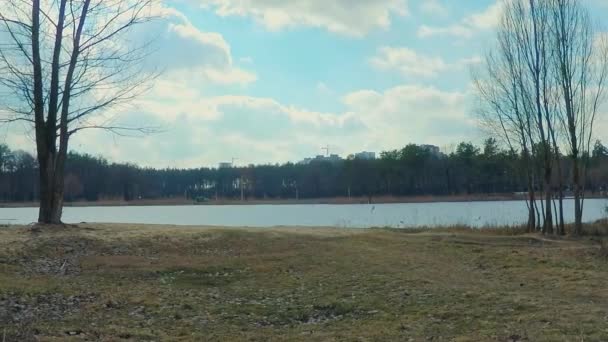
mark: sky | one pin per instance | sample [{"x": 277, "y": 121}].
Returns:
[{"x": 271, "y": 81}]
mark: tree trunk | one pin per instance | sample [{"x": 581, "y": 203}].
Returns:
[
  {"x": 548, "y": 227},
  {"x": 561, "y": 229},
  {"x": 531, "y": 214},
  {"x": 46, "y": 189},
  {"x": 578, "y": 208},
  {"x": 51, "y": 191},
  {"x": 532, "y": 211}
]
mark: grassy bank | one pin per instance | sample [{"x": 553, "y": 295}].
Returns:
[{"x": 102, "y": 282}]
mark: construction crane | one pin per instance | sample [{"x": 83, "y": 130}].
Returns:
[{"x": 326, "y": 149}]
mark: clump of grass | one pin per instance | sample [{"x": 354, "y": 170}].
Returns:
[
  {"x": 604, "y": 248},
  {"x": 595, "y": 229},
  {"x": 462, "y": 229}
]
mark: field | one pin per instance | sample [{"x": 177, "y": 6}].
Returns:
[{"x": 152, "y": 283}]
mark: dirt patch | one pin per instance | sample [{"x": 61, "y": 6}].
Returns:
[
  {"x": 19, "y": 309},
  {"x": 55, "y": 256},
  {"x": 20, "y": 313},
  {"x": 197, "y": 278},
  {"x": 318, "y": 314}
]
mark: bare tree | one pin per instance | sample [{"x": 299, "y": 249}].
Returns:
[
  {"x": 529, "y": 25},
  {"x": 581, "y": 71},
  {"x": 548, "y": 75},
  {"x": 65, "y": 63},
  {"x": 517, "y": 93}
]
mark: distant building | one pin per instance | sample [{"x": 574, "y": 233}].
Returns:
[
  {"x": 334, "y": 158},
  {"x": 225, "y": 165},
  {"x": 365, "y": 155}
]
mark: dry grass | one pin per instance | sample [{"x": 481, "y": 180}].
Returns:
[
  {"x": 597, "y": 229},
  {"x": 105, "y": 282}
]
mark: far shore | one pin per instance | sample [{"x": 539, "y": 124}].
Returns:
[{"x": 321, "y": 201}]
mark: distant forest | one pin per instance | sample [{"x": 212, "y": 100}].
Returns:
[{"x": 412, "y": 171}]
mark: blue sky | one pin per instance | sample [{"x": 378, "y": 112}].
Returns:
[{"x": 269, "y": 81}]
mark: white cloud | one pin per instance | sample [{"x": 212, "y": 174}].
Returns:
[
  {"x": 411, "y": 113},
  {"x": 474, "y": 60},
  {"x": 407, "y": 62},
  {"x": 206, "y": 130},
  {"x": 469, "y": 26},
  {"x": 183, "y": 48},
  {"x": 324, "y": 89},
  {"x": 346, "y": 17},
  {"x": 458, "y": 30},
  {"x": 487, "y": 19},
  {"x": 173, "y": 101},
  {"x": 433, "y": 7}
]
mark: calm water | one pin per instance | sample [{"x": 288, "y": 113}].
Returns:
[{"x": 476, "y": 214}]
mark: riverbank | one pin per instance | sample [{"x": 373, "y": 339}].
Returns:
[
  {"x": 333, "y": 201},
  {"x": 135, "y": 282},
  {"x": 336, "y": 200}
]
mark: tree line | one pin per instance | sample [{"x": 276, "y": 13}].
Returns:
[{"x": 414, "y": 170}]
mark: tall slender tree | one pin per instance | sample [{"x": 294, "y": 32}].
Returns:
[{"x": 581, "y": 71}]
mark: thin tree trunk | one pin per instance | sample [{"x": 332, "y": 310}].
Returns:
[
  {"x": 531, "y": 212},
  {"x": 562, "y": 228},
  {"x": 531, "y": 195},
  {"x": 548, "y": 198},
  {"x": 578, "y": 212},
  {"x": 542, "y": 219}
]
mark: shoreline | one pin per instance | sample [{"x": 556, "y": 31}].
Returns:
[{"x": 314, "y": 201}]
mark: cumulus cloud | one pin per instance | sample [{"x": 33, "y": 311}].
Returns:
[
  {"x": 346, "y": 17},
  {"x": 411, "y": 113},
  {"x": 206, "y": 130},
  {"x": 469, "y": 26},
  {"x": 433, "y": 7},
  {"x": 407, "y": 62},
  {"x": 182, "y": 47}
]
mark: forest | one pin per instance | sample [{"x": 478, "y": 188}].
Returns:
[{"x": 414, "y": 170}]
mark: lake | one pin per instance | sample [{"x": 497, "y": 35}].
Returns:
[{"x": 410, "y": 215}]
